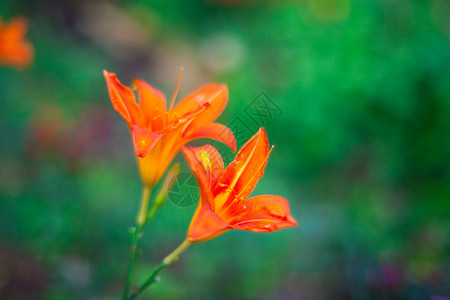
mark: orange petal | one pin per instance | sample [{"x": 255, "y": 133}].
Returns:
[
  {"x": 206, "y": 225},
  {"x": 207, "y": 165},
  {"x": 155, "y": 163},
  {"x": 153, "y": 104},
  {"x": 264, "y": 213},
  {"x": 242, "y": 174},
  {"x": 216, "y": 98},
  {"x": 144, "y": 140},
  {"x": 123, "y": 100},
  {"x": 216, "y": 132}
]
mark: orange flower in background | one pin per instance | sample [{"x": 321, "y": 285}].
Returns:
[
  {"x": 158, "y": 133},
  {"x": 14, "y": 49},
  {"x": 223, "y": 201}
]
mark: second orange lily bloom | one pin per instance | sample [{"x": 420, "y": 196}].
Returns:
[
  {"x": 223, "y": 192},
  {"x": 15, "y": 50},
  {"x": 159, "y": 133}
]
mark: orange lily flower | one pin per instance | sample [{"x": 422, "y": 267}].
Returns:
[
  {"x": 14, "y": 49},
  {"x": 158, "y": 133},
  {"x": 223, "y": 201}
]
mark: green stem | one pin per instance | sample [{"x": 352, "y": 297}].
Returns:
[
  {"x": 141, "y": 218},
  {"x": 176, "y": 253},
  {"x": 133, "y": 253},
  {"x": 172, "y": 257},
  {"x": 136, "y": 236},
  {"x": 152, "y": 279}
]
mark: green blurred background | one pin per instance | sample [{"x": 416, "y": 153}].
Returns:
[{"x": 354, "y": 94}]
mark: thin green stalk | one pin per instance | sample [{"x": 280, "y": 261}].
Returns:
[
  {"x": 136, "y": 235},
  {"x": 133, "y": 254},
  {"x": 172, "y": 257},
  {"x": 152, "y": 279},
  {"x": 141, "y": 217}
]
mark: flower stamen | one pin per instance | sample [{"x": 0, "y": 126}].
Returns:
[{"x": 176, "y": 91}]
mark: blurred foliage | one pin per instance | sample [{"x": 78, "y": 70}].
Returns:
[{"x": 361, "y": 91}]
